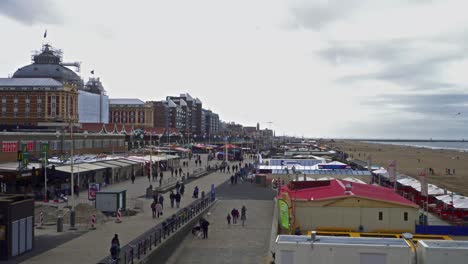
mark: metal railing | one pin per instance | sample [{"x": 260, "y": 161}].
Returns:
[{"x": 142, "y": 245}]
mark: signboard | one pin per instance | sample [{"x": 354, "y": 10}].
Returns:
[
  {"x": 283, "y": 209},
  {"x": 422, "y": 173},
  {"x": 93, "y": 188},
  {"x": 9, "y": 146},
  {"x": 392, "y": 170}
]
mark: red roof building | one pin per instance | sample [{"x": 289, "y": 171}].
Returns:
[
  {"x": 340, "y": 205},
  {"x": 333, "y": 189}
]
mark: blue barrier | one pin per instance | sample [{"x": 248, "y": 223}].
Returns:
[{"x": 442, "y": 230}]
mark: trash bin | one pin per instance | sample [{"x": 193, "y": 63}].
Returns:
[{"x": 59, "y": 224}]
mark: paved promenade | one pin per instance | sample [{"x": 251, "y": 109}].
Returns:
[
  {"x": 94, "y": 245},
  {"x": 233, "y": 243}
]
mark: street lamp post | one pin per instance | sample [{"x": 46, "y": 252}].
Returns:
[
  {"x": 72, "y": 160},
  {"x": 151, "y": 154}
]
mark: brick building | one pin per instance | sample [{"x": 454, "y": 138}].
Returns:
[
  {"x": 131, "y": 112},
  {"x": 37, "y": 101}
]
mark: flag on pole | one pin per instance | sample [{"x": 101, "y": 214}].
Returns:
[
  {"x": 423, "y": 180},
  {"x": 45, "y": 34},
  {"x": 392, "y": 170}
]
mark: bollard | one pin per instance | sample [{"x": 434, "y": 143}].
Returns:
[
  {"x": 119, "y": 216},
  {"x": 41, "y": 221},
  {"x": 59, "y": 224},
  {"x": 93, "y": 222}
]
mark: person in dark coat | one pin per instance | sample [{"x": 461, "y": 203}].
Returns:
[
  {"x": 182, "y": 189},
  {"x": 177, "y": 199},
  {"x": 204, "y": 226},
  {"x": 195, "y": 192},
  {"x": 161, "y": 200},
  {"x": 172, "y": 198},
  {"x": 228, "y": 218},
  {"x": 180, "y": 171},
  {"x": 232, "y": 179},
  {"x": 133, "y": 177}
]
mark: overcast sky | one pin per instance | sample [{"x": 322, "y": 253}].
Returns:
[{"x": 336, "y": 68}]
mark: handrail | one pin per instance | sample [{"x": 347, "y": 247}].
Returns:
[{"x": 143, "y": 244}]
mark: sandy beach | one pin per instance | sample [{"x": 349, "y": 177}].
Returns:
[{"x": 409, "y": 159}]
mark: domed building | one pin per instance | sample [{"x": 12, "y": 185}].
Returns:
[
  {"x": 48, "y": 64},
  {"x": 41, "y": 94}
]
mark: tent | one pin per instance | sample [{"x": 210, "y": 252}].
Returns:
[{"x": 229, "y": 146}]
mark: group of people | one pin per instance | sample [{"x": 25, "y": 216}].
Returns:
[
  {"x": 179, "y": 171},
  {"x": 449, "y": 172},
  {"x": 234, "y": 215}
]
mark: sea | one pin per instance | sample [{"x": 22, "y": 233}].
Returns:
[{"x": 459, "y": 146}]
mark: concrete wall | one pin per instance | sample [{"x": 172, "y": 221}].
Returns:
[{"x": 341, "y": 216}]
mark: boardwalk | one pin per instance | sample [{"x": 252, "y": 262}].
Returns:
[
  {"x": 94, "y": 245},
  {"x": 233, "y": 243}
]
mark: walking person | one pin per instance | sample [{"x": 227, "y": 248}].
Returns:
[
  {"x": 180, "y": 171},
  {"x": 115, "y": 248},
  {"x": 195, "y": 192},
  {"x": 172, "y": 198},
  {"x": 228, "y": 218},
  {"x": 243, "y": 214},
  {"x": 182, "y": 189},
  {"x": 161, "y": 200},
  {"x": 133, "y": 177},
  {"x": 232, "y": 179},
  {"x": 172, "y": 172},
  {"x": 153, "y": 208},
  {"x": 161, "y": 174},
  {"x": 176, "y": 172},
  {"x": 177, "y": 186},
  {"x": 204, "y": 226},
  {"x": 177, "y": 199},
  {"x": 234, "y": 213},
  {"x": 159, "y": 210}
]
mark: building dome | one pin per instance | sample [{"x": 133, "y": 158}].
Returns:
[{"x": 47, "y": 64}]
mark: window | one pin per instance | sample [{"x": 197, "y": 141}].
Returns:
[
  {"x": 53, "y": 105},
  {"x": 3, "y": 106},
  {"x": 380, "y": 216},
  {"x": 28, "y": 105},
  {"x": 405, "y": 216},
  {"x": 39, "y": 106},
  {"x": 15, "y": 106}
]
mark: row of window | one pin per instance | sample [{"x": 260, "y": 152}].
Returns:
[
  {"x": 53, "y": 104},
  {"x": 14, "y": 146}
]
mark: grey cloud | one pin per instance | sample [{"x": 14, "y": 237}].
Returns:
[
  {"x": 30, "y": 12},
  {"x": 441, "y": 107},
  {"x": 403, "y": 64},
  {"x": 317, "y": 14}
]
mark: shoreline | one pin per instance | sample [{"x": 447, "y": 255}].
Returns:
[
  {"x": 415, "y": 146},
  {"x": 410, "y": 158}
]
